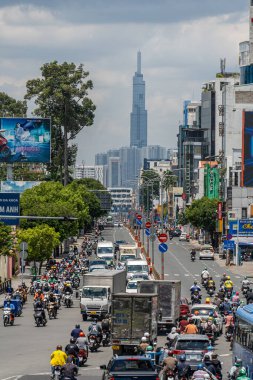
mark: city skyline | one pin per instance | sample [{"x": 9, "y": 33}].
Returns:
[{"x": 170, "y": 36}]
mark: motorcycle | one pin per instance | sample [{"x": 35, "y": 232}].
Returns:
[
  {"x": 196, "y": 299},
  {"x": 8, "y": 317},
  {"x": 245, "y": 289},
  {"x": 204, "y": 282},
  {"x": 76, "y": 282},
  {"x": 68, "y": 300},
  {"x": 82, "y": 357},
  {"x": 93, "y": 343},
  {"x": 57, "y": 373},
  {"x": 193, "y": 258},
  {"x": 210, "y": 337},
  {"x": 229, "y": 333},
  {"x": 105, "y": 338},
  {"x": 211, "y": 291},
  {"x": 169, "y": 375},
  {"x": 39, "y": 320},
  {"x": 51, "y": 310},
  {"x": 229, "y": 293}
]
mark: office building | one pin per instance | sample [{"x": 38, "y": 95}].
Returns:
[
  {"x": 101, "y": 159},
  {"x": 138, "y": 117},
  {"x": 97, "y": 172},
  {"x": 122, "y": 199},
  {"x": 114, "y": 172}
]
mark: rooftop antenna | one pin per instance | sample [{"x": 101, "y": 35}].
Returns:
[{"x": 139, "y": 62}]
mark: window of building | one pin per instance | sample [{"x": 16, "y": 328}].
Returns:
[{"x": 244, "y": 212}]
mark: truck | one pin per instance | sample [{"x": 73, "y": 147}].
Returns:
[
  {"x": 127, "y": 252},
  {"x": 96, "y": 294},
  {"x": 169, "y": 295},
  {"x": 132, "y": 316}
]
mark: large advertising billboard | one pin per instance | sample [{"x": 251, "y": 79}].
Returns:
[
  {"x": 24, "y": 140},
  {"x": 247, "y": 149},
  {"x": 17, "y": 186},
  {"x": 9, "y": 206}
]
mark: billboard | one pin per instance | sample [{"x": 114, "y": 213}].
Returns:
[
  {"x": 17, "y": 186},
  {"x": 9, "y": 206},
  {"x": 24, "y": 140},
  {"x": 247, "y": 149},
  {"x": 211, "y": 182}
]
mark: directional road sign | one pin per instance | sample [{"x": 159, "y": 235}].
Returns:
[
  {"x": 147, "y": 231},
  {"x": 148, "y": 224},
  {"x": 163, "y": 247},
  {"x": 229, "y": 244},
  {"x": 163, "y": 238},
  {"x": 139, "y": 222},
  {"x": 229, "y": 236}
]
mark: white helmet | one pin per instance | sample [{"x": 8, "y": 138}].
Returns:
[
  {"x": 143, "y": 339},
  {"x": 146, "y": 334}
]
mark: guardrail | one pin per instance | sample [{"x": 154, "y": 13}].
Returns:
[{"x": 4, "y": 286}]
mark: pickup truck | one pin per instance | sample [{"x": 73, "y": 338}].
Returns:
[{"x": 129, "y": 367}]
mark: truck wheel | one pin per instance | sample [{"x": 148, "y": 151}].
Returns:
[{"x": 84, "y": 317}]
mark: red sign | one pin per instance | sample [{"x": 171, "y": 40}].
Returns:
[
  {"x": 219, "y": 210},
  {"x": 163, "y": 238},
  {"x": 184, "y": 196},
  {"x": 139, "y": 217},
  {"x": 148, "y": 224}
]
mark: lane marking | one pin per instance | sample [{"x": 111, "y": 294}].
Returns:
[
  {"x": 187, "y": 274},
  {"x": 176, "y": 274},
  {"x": 223, "y": 355}
]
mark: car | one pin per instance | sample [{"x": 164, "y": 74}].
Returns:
[
  {"x": 130, "y": 368},
  {"x": 176, "y": 233},
  {"x": 131, "y": 286},
  {"x": 97, "y": 262},
  {"x": 206, "y": 252},
  {"x": 93, "y": 268},
  {"x": 139, "y": 277},
  {"x": 193, "y": 346},
  {"x": 184, "y": 237},
  {"x": 184, "y": 307},
  {"x": 202, "y": 311}
]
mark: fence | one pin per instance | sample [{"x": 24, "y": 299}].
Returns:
[{"x": 4, "y": 286}]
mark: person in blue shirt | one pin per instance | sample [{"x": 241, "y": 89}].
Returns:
[{"x": 195, "y": 287}]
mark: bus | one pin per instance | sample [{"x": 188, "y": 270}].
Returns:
[{"x": 243, "y": 337}]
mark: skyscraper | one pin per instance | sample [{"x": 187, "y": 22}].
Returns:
[{"x": 138, "y": 131}]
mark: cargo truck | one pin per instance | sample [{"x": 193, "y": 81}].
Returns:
[
  {"x": 96, "y": 294},
  {"x": 132, "y": 316},
  {"x": 169, "y": 294}
]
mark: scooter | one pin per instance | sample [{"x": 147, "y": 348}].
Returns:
[
  {"x": 193, "y": 257},
  {"x": 8, "y": 317},
  {"x": 229, "y": 333},
  {"x": 68, "y": 300},
  {"x": 211, "y": 291},
  {"x": 82, "y": 357},
  {"x": 39, "y": 320},
  {"x": 105, "y": 338},
  {"x": 93, "y": 343}
]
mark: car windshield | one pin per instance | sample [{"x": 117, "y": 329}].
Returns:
[
  {"x": 94, "y": 292},
  {"x": 127, "y": 257},
  {"x": 137, "y": 268},
  {"x": 192, "y": 344},
  {"x": 201, "y": 311},
  {"x": 132, "y": 285},
  {"x": 98, "y": 262},
  {"x": 92, "y": 269},
  {"x": 141, "y": 276},
  {"x": 131, "y": 365},
  {"x": 105, "y": 250}
]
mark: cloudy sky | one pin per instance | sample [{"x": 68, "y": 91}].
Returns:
[{"x": 181, "y": 43}]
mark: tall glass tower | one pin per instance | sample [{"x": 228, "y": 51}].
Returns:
[{"x": 138, "y": 131}]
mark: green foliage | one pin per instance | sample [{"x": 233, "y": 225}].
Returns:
[
  {"x": 149, "y": 188},
  {"x": 10, "y": 107},
  {"x": 182, "y": 220},
  {"x": 62, "y": 94},
  {"x": 41, "y": 240},
  {"x": 6, "y": 240},
  {"x": 202, "y": 213},
  {"x": 169, "y": 180}
]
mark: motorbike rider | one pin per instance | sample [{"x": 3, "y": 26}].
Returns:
[
  {"x": 223, "y": 278},
  {"x": 229, "y": 321},
  {"x": 46, "y": 287},
  {"x": 58, "y": 358},
  {"x": 201, "y": 373},
  {"x": 67, "y": 288},
  {"x": 52, "y": 299},
  {"x": 105, "y": 325},
  {"x": 245, "y": 283},
  {"x": 82, "y": 342},
  {"x": 225, "y": 307},
  {"x": 195, "y": 287},
  {"x": 95, "y": 329},
  {"x": 243, "y": 375},
  {"x": 193, "y": 253},
  {"x": 183, "y": 369},
  {"x": 169, "y": 363},
  {"x": 69, "y": 370},
  {"x": 228, "y": 284},
  {"x": 210, "y": 283},
  {"x": 234, "y": 370},
  {"x": 196, "y": 297},
  {"x": 191, "y": 328},
  {"x": 183, "y": 323},
  {"x": 249, "y": 296},
  {"x": 75, "y": 333},
  {"x": 39, "y": 296},
  {"x": 217, "y": 365},
  {"x": 143, "y": 344},
  {"x": 236, "y": 298},
  {"x": 209, "y": 327},
  {"x": 205, "y": 274},
  {"x": 39, "y": 306},
  {"x": 72, "y": 349},
  {"x": 172, "y": 336},
  {"x": 209, "y": 365},
  {"x": 9, "y": 305}
]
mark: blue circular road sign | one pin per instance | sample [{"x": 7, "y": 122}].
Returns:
[
  {"x": 163, "y": 247},
  {"x": 138, "y": 222},
  {"x": 147, "y": 231}
]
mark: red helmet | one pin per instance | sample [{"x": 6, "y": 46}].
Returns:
[
  {"x": 237, "y": 293},
  {"x": 81, "y": 334}
]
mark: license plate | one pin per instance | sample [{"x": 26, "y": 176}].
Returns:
[
  {"x": 115, "y": 348},
  {"x": 57, "y": 372},
  {"x": 193, "y": 357},
  {"x": 93, "y": 312},
  {"x": 91, "y": 340}
]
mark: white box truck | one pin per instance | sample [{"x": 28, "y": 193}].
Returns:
[
  {"x": 96, "y": 294},
  {"x": 169, "y": 294}
]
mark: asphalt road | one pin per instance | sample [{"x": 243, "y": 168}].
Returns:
[{"x": 25, "y": 349}]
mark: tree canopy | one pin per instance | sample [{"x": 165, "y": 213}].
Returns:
[
  {"x": 62, "y": 94},
  {"x": 10, "y": 107},
  {"x": 6, "y": 240},
  {"x": 150, "y": 186},
  {"x": 202, "y": 213}
]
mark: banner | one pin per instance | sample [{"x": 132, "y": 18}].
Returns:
[
  {"x": 24, "y": 140},
  {"x": 9, "y": 206},
  {"x": 17, "y": 186},
  {"x": 247, "y": 149}
]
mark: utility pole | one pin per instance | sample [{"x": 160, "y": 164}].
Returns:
[{"x": 65, "y": 136}]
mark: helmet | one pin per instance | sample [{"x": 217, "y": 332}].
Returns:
[
  {"x": 205, "y": 268},
  {"x": 228, "y": 277},
  {"x": 59, "y": 347},
  {"x": 72, "y": 340},
  {"x": 242, "y": 372},
  {"x": 206, "y": 358},
  {"x": 146, "y": 334},
  {"x": 77, "y": 326},
  {"x": 195, "y": 282},
  {"x": 238, "y": 363},
  {"x": 245, "y": 278},
  {"x": 82, "y": 334},
  {"x": 224, "y": 274},
  {"x": 200, "y": 366},
  {"x": 182, "y": 358},
  {"x": 207, "y": 300},
  {"x": 237, "y": 293},
  {"x": 149, "y": 348},
  {"x": 210, "y": 348},
  {"x": 143, "y": 339}
]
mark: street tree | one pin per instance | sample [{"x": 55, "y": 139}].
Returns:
[
  {"x": 202, "y": 213},
  {"x": 10, "y": 107},
  {"x": 62, "y": 93},
  {"x": 41, "y": 240},
  {"x": 6, "y": 240},
  {"x": 150, "y": 187}
]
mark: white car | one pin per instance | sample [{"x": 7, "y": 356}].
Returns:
[
  {"x": 131, "y": 286},
  {"x": 206, "y": 252},
  {"x": 184, "y": 237}
]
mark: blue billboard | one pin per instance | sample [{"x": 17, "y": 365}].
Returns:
[
  {"x": 9, "y": 206},
  {"x": 17, "y": 186},
  {"x": 24, "y": 140},
  {"x": 247, "y": 149},
  {"x": 245, "y": 227}
]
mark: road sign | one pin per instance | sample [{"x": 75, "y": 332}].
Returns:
[
  {"x": 23, "y": 255},
  {"x": 139, "y": 217},
  {"x": 138, "y": 222},
  {"x": 184, "y": 196},
  {"x": 229, "y": 244},
  {"x": 148, "y": 224},
  {"x": 163, "y": 238},
  {"x": 147, "y": 231},
  {"x": 9, "y": 206},
  {"x": 229, "y": 236},
  {"x": 23, "y": 246},
  {"x": 163, "y": 247}
]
